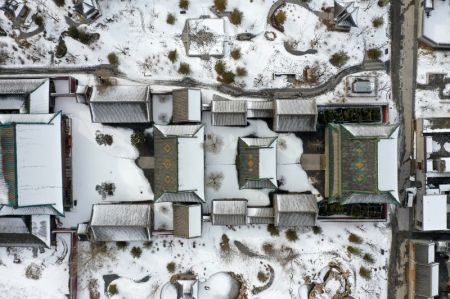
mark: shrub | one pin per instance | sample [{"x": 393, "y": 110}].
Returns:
[
  {"x": 136, "y": 252},
  {"x": 241, "y": 71},
  {"x": 228, "y": 77},
  {"x": 273, "y": 230},
  {"x": 137, "y": 138},
  {"x": 236, "y": 17},
  {"x": 220, "y": 5},
  {"x": 113, "y": 290},
  {"x": 280, "y": 18},
  {"x": 73, "y": 32},
  {"x": 59, "y": 3},
  {"x": 383, "y": 3},
  {"x": 354, "y": 250},
  {"x": 184, "y": 69},
  {"x": 317, "y": 230},
  {"x": 225, "y": 244},
  {"x": 377, "y": 22},
  {"x": 38, "y": 20},
  {"x": 354, "y": 238},
  {"x": 365, "y": 273},
  {"x": 171, "y": 267},
  {"x": 262, "y": 277},
  {"x": 84, "y": 37},
  {"x": 173, "y": 56},
  {"x": 122, "y": 245},
  {"x": 61, "y": 49},
  {"x": 103, "y": 139},
  {"x": 220, "y": 67},
  {"x": 113, "y": 59},
  {"x": 268, "y": 248},
  {"x": 338, "y": 59},
  {"x": 184, "y": 4},
  {"x": 170, "y": 19},
  {"x": 291, "y": 235},
  {"x": 236, "y": 53},
  {"x": 374, "y": 53},
  {"x": 369, "y": 258}
]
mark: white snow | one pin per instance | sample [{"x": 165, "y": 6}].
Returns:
[
  {"x": 162, "y": 108},
  {"x": 40, "y": 99},
  {"x": 94, "y": 164},
  {"x": 387, "y": 164},
  {"x": 191, "y": 164},
  {"x": 433, "y": 212},
  {"x": 163, "y": 216},
  {"x": 195, "y": 105},
  {"x": 435, "y": 27},
  {"x": 268, "y": 162},
  {"x": 195, "y": 220},
  {"x": 214, "y": 26},
  {"x": 39, "y": 164}
]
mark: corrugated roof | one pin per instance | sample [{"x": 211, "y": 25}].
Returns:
[
  {"x": 223, "y": 105},
  {"x": 19, "y": 86},
  {"x": 296, "y": 107},
  {"x": 370, "y": 130},
  {"x": 229, "y": 206},
  {"x": 259, "y": 142},
  {"x": 120, "y": 215},
  {"x": 291, "y": 203},
  {"x": 179, "y": 130}
]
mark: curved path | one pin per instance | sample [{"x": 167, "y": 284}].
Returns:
[{"x": 285, "y": 92}]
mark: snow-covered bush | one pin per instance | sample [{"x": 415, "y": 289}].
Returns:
[
  {"x": 113, "y": 290},
  {"x": 170, "y": 19},
  {"x": 225, "y": 244},
  {"x": 173, "y": 56},
  {"x": 365, "y": 273},
  {"x": 220, "y": 67},
  {"x": 354, "y": 238},
  {"x": 59, "y": 3},
  {"x": 273, "y": 230},
  {"x": 61, "y": 49},
  {"x": 220, "y": 5},
  {"x": 353, "y": 250},
  {"x": 368, "y": 257},
  {"x": 317, "y": 230},
  {"x": 377, "y": 22},
  {"x": 227, "y": 77},
  {"x": 236, "y": 17},
  {"x": 184, "y": 69},
  {"x": 241, "y": 71},
  {"x": 215, "y": 180},
  {"x": 213, "y": 143},
  {"x": 291, "y": 235},
  {"x": 184, "y": 4},
  {"x": 137, "y": 138},
  {"x": 374, "y": 53},
  {"x": 113, "y": 59},
  {"x": 280, "y": 17},
  {"x": 38, "y": 20},
  {"x": 106, "y": 189},
  {"x": 103, "y": 139},
  {"x": 122, "y": 245},
  {"x": 338, "y": 59},
  {"x": 236, "y": 53},
  {"x": 33, "y": 271},
  {"x": 268, "y": 248},
  {"x": 383, "y": 3},
  {"x": 93, "y": 289},
  {"x": 262, "y": 277},
  {"x": 136, "y": 252},
  {"x": 171, "y": 267}
]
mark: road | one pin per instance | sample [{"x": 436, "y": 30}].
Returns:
[{"x": 403, "y": 74}]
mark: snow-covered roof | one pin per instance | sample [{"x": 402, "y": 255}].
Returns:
[
  {"x": 187, "y": 220},
  {"x": 227, "y": 112},
  {"x": 17, "y": 94},
  {"x": 343, "y": 15},
  {"x": 371, "y": 130},
  {"x": 39, "y": 164},
  {"x": 229, "y": 212},
  {"x": 121, "y": 222},
  {"x": 40, "y": 227},
  {"x": 424, "y": 251},
  {"x": 435, "y": 26},
  {"x": 20, "y": 86},
  {"x": 426, "y": 280},
  {"x": 433, "y": 212},
  {"x": 296, "y": 115},
  {"x": 204, "y": 37},
  {"x": 260, "y": 109},
  {"x": 295, "y": 209},
  {"x": 121, "y": 104},
  {"x": 257, "y": 163},
  {"x": 187, "y": 105},
  {"x": 40, "y": 99},
  {"x": 387, "y": 164},
  {"x": 179, "y": 154},
  {"x": 25, "y": 231},
  {"x": 260, "y": 215},
  {"x": 36, "y": 178}
]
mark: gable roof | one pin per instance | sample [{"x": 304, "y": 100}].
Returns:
[
  {"x": 120, "y": 222},
  {"x": 229, "y": 212},
  {"x": 295, "y": 209},
  {"x": 31, "y": 231},
  {"x": 179, "y": 156},
  {"x": 354, "y": 174},
  {"x": 343, "y": 15},
  {"x": 226, "y": 112},
  {"x": 296, "y": 115},
  {"x": 187, "y": 105},
  {"x": 121, "y": 104},
  {"x": 31, "y": 156},
  {"x": 27, "y": 95},
  {"x": 257, "y": 163},
  {"x": 187, "y": 220}
]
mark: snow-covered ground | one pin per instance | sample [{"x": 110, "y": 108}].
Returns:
[
  {"x": 94, "y": 164},
  {"x": 292, "y": 261},
  {"x": 138, "y": 32},
  {"x": 51, "y": 268}
]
